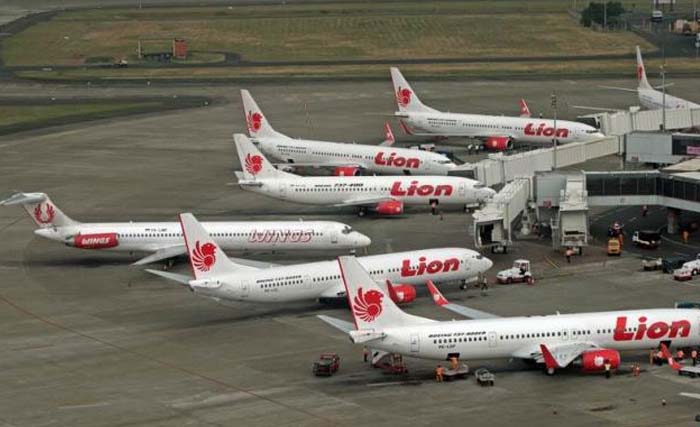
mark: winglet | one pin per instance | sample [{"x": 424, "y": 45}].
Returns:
[
  {"x": 667, "y": 354},
  {"x": 388, "y": 136},
  {"x": 524, "y": 109},
  {"x": 438, "y": 298},
  {"x": 549, "y": 360}
]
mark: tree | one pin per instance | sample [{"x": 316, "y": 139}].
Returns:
[{"x": 595, "y": 12}]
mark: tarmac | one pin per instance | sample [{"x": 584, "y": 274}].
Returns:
[{"x": 88, "y": 340}]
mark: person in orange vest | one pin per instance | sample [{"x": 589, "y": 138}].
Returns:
[
  {"x": 685, "y": 234},
  {"x": 438, "y": 373},
  {"x": 636, "y": 370},
  {"x": 694, "y": 356},
  {"x": 569, "y": 254},
  {"x": 365, "y": 353}
]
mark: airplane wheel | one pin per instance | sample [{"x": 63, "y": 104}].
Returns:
[{"x": 362, "y": 212}]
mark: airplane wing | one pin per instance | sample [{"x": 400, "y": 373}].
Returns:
[
  {"x": 161, "y": 254},
  {"x": 179, "y": 278},
  {"x": 470, "y": 313},
  {"x": 557, "y": 356},
  {"x": 624, "y": 89},
  {"x": 364, "y": 202},
  {"x": 341, "y": 325}
]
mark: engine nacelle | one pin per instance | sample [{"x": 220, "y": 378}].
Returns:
[
  {"x": 390, "y": 207},
  {"x": 594, "y": 360},
  {"x": 403, "y": 293},
  {"x": 346, "y": 171},
  {"x": 498, "y": 143},
  {"x": 94, "y": 241}
]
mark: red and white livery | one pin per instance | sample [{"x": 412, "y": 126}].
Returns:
[
  {"x": 223, "y": 279},
  {"x": 345, "y": 159},
  {"x": 386, "y": 195},
  {"x": 585, "y": 340},
  {"x": 164, "y": 239},
  {"x": 497, "y": 132}
]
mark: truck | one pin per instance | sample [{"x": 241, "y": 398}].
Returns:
[
  {"x": 651, "y": 264},
  {"x": 326, "y": 365},
  {"x": 520, "y": 272},
  {"x": 484, "y": 377},
  {"x": 646, "y": 239},
  {"x": 693, "y": 266}
]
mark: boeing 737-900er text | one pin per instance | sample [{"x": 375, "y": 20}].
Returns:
[
  {"x": 586, "y": 340},
  {"x": 223, "y": 279},
  {"x": 164, "y": 239},
  {"x": 345, "y": 159},
  {"x": 387, "y": 195},
  {"x": 497, "y": 132}
]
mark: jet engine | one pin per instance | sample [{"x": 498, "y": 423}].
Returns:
[
  {"x": 346, "y": 171},
  {"x": 94, "y": 241},
  {"x": 594, "y": 360},
  {"x": 390, "y": 207},
  {"x": 498, "y": 143}
]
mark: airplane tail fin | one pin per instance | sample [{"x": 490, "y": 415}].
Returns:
[
  {"x": 406, "y": 98},
  {"x": 642, "y": 82},
  {"x": 206, "y": 257},
  {"x": 524, "y": 109},
  {"x": 41, "y": 209},
  {"x": 371, "y": 304},
  {"x": 254, "y": 163},
  {"x": 388, "y": 136},
  {"x": 257, "y": 123}
]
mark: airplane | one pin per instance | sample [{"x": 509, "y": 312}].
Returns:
[
  {"x": 384, "y": 194},
  {"x": 223, "y": 279},
  {"x": 584, "y": 340},
  {"x": 498, "y": 132},
  {"x": 345, "y": 159},
  {"x": 164, "y": 239}
]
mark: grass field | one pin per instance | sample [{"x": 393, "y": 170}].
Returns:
[{"x": 373, "y": 30}]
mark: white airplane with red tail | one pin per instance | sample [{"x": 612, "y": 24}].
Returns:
[
  {"x": 345, "y": 159},
  {"x": 386, "y": 195},
  {"x": 164, "y": 239},
  {"x": 498, "y": 132},
  {"x": 585, "y": 340},
  {"x": 223, "y": 279}
]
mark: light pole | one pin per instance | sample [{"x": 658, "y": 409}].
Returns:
[
  {"x": 554, "y": 139},
  {"x": 663, "y": 98}
]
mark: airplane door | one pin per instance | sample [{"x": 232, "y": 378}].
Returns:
[
  {"x": 334, "y": 237},
  {"x": 492, "y": 339},
  {"x": 307, "y": 282},
  {"x": 245, "y": 289},
  {"x": 415, "y": 343},
  {"x": 467, "y": 266},
  {"x": 462, "y": 190},
  {"x": 283, "y": 189}
]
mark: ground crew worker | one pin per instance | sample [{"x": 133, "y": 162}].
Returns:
[
  {"x": 636, "y": 369},
  {"x": 607, "y": 366},
  {"x": 454, "y": 362},
  {"x": 365, "y": 353},
  {"x": 660, "y": 358},
  {"x": 685, "y": 236},
  {"x": 694, "y": 356},
  {"x": 438, "y": 373},
  {"x": 680, "y": 355},
  {"x": 433, "y": 207},
  {"x": 484, "y": 283},
  {"x": 569, "y": 253},
  {"x": 651, "y": 357},
  {"x": 645, "y": 210}
]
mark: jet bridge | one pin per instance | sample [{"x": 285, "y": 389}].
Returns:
[{"x": 493, "y": 223}]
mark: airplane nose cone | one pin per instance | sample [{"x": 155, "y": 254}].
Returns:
[
  {"x": 362, "y": 240},
  {"x": 487, "y": 264}
]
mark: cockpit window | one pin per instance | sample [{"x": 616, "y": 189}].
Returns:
[
  {"x": 592, "y": 131},
  {"x": 347, "y": 229},
  {"x": 479, "y": 257}
]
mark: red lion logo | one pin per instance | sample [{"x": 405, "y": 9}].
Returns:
[
  {"x": 203, "y": 257},
  {"x": 368, "y": 306},
  {"x": 39, "y": 214},
  {"x": 253, "y": 164},
  {"x": 254, "y": 121},
  {"x": 403, "y": 96}
]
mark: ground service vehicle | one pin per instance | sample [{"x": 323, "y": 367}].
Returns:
[
  {"x": 647, "y": 239},
  {"x": 673, "y": 262},
  {"x": 520, "y": 272},
  {"x": 614, "y": 247},
  {"x": 326, "y": 365},
  {"x": 484, "y": 377},
  {"x": 682, "y": 274},
  {"x": 694, "y": 265},
  {"x": 651, "y": 264}
]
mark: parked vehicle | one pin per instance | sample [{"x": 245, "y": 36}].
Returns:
[
  {"x": 326, "y": 365},
  {"x": 647, "y": 239},
  {"x": 657, "y": 16},
  {"x": 694, "y": 265},
  {"x": 651, "y": 264},
  {"x": 484, "y": 377},
  {"x": 673, "y": 262},
  {"x": 520, "y": 272},
  {"x": 682, "y": 274}
]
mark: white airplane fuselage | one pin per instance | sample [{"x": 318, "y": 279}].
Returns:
[
  {"x": 386, "y": 160},
  {"x": 654, "y": 100},
  {"x": 261, "y": 235},
  {"x": 521, "y": 129},
  {"x": 323, "y": 279},
  {"x": 521, "y": 337},
  {"x": 411, "y": 190}
]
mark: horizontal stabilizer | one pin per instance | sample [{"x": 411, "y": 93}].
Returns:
[
  {"x": 179, "y": 278},
  {"x": 624, "y": 89},
  {"x": 341, "y": 325}
]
